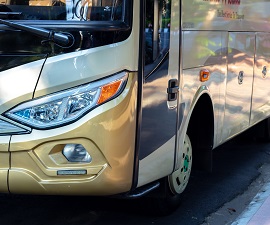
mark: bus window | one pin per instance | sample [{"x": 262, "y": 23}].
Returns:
[
  {"x": 157, "y": 30},
  {"x": 74, "y": 10},
  {"x": 93, "y": 23}
]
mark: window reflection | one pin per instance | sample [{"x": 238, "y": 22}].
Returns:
[{"x": 71, "y": 10}]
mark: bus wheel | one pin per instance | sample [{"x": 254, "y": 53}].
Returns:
[
  {"x": 173, "y": 185},
  {"x": 178, "y": 179}
]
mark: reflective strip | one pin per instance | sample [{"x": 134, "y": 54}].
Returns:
[{"x": 71, "y": 172}]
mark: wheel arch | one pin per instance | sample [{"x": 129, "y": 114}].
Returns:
[{"x": 201, "y": 131}]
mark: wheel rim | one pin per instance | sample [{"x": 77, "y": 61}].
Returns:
[{"x": 178, "y": 179}]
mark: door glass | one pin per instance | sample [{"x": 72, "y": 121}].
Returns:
[{"x": 157, "y": 30}]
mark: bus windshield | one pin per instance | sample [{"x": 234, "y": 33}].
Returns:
[{"x": 64, "y": 10}]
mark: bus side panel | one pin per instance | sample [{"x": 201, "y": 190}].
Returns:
[
  {"x": 239, "y": 83},
  {"x": 237, "y": 15},
  {"x": 261, "y": 90},
  {"x": 244, "y": 21},
  {"x": 204, "y": 50}
]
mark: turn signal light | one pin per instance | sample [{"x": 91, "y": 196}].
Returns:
[
  {"x": 109, "y": 90},
  {"x": 204, "y": 75}
]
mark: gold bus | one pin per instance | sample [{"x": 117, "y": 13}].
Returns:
[{"x": 122, "y": 97}]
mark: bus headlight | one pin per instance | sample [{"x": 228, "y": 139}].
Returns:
[{"x": 69, "y": 105}]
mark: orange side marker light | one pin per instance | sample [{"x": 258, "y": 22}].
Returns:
[{"x": 204, "y": 75}]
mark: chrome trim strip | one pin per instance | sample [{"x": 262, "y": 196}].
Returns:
[{"x": 8, "y": 126}]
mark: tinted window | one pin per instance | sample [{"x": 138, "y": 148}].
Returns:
[
  {"x": 70, "y": 10},
  {"x": 157, "y": 29}
]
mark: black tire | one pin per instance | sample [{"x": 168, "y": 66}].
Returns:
[{"x": 163, "y": 202}]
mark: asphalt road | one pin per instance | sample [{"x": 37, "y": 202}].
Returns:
[{"x": 236, "y": 165}]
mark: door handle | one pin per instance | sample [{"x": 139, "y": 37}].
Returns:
[
  {"x": 241, "y": 77},
  {"x": 172, "y": 89}
]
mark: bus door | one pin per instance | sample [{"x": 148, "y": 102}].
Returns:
[
  {"x": 239, "y": 83},
  {"x": 160, "y": 87}
]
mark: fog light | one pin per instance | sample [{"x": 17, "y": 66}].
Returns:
[{"x": 76, "y": 153}]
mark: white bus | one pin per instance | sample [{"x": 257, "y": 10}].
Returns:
[{"x": 123, "y": 97}]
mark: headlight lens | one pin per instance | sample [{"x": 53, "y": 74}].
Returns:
[{"x": 66, "y": 106}]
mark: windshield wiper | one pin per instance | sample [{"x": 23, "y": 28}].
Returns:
[{"x": 64, "y": 40}]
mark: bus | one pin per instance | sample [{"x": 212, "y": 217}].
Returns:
[{"x": 123, "y": 97}]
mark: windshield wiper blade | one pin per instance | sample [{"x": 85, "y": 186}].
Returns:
[{"x": 64, "y": 40}]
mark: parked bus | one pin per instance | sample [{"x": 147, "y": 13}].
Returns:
[{"x": 123, "y": 97}]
